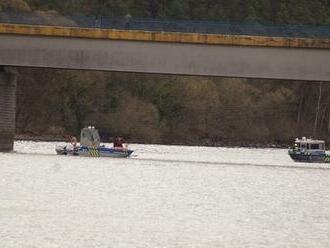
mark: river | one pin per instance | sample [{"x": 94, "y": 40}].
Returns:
[{"x": 164, "y": 196}]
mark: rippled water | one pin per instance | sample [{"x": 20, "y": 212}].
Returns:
[{"x": 164, "y": 196}]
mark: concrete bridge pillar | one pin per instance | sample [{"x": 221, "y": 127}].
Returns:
[{"x": 8, "y": 82}]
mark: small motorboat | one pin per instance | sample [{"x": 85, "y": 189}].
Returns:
[
  {"x": 90, "y": 146},
  {"x": 309, "y": 150}
]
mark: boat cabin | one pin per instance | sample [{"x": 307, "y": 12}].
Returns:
[
  {"x": 89, "y": 137},
  {"x": 305, "y": 144}
]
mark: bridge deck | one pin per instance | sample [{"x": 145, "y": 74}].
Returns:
[{"x": 154, "y": 36}]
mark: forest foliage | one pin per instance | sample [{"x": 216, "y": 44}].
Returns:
[
  {"x": 264, "y": 11},
  {"x": 175, "y": 109}
]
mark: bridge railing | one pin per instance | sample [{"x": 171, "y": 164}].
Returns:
[{"x": 165, "y": 25}]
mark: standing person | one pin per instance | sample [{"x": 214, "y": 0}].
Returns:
[
  {"x": 98, "y": 21},
  {"x": 128, "y": 18}
]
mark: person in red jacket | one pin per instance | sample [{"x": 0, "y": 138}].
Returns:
[{"x": 118, "y": 142}]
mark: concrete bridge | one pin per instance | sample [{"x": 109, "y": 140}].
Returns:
[{"x": 152, "y": 52}]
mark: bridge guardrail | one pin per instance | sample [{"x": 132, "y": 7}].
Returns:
[{"x": 165, "y": 25}]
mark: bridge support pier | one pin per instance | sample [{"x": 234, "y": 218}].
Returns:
[{"x": 8, "y": 82}]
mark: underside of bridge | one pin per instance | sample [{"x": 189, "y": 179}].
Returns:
[{"x": 8, "y": 81}]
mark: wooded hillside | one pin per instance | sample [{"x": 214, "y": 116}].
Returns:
[{"x": 266, "y": 11}]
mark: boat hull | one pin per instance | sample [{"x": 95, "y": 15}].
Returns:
[
  {"x": 85, "y": 151},
  {"x": 309, "y": 157},
  {"x": 104, "y": 152},
  {"x": 62, "y": 150}
]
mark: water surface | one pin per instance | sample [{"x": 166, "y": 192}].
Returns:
[{"x": 164, "y": 196}]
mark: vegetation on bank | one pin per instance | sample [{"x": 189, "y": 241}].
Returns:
[
  {"x": 174, "y": 109},
  {"x": 266, "y": 11},
  {"x": 170, "y": 109}
]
